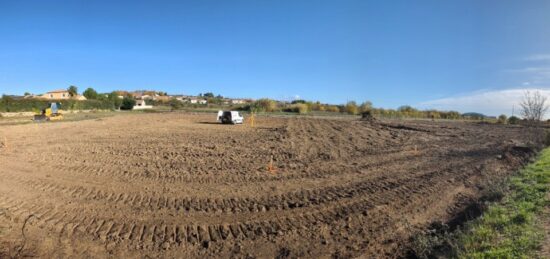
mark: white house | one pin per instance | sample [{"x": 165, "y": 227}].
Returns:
[
  {"x": 141, "y": 105},
  {"x": 237, "y": 101},
  {"x": 198, "y": 101}
]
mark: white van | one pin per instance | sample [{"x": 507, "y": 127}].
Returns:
[{"x": 233, "y": 117}]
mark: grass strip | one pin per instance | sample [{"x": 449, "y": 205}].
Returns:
[{"x": 511, "y": 228}]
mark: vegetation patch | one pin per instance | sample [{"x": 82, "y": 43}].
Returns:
[{"x": 509, "y": 228}]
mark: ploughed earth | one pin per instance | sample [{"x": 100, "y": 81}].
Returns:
[{"x": 180, "y": 185}]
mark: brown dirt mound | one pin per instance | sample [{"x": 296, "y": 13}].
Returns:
[{"x": 174, "y": 185}]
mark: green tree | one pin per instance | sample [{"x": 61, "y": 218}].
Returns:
[
  {"x": 128, "y": 103},
  {"x": 26, "y": 94},
  {"x": 90, "y": 93},
  {"x": 73, "y": 90},
  {"x": 298, "y": 101},
  {"x": 113, "y": 98},
  {"x": 209, "y": 94}
]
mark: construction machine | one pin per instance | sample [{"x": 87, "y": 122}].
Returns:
[{"x": 51, "y": 113}]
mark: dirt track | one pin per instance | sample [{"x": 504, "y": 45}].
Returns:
[{"x": 177, "y": 185}]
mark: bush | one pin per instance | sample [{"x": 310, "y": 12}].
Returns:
[
  {"x": 333, "y": 108},
  {"x": 300, "y": 108},
  {"x": 546, "y": 137},
  {"x": 114, "y": 100},
  {"x": 365, "y": 107},
  {"x": 502, "y": 119},
  {"x": 175, "y": 104},
  {"x": 351, "y": 108},
  {"x": 513, "y": 120},
  {"x": 265, "y": 105},
  {"x": 128, "y": 103},
  {"x": 367, "y": 115}
]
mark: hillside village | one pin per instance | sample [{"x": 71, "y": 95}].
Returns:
[
  {"x": 71, "y": 99},
  {"x": 143, "y": 98}
]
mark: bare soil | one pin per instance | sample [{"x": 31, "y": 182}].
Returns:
[{"x": 178, "y": 185}]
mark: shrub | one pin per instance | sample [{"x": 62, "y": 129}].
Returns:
[
  {"x": 128, "y": 103},
  {"x": 367, "y": 115},
  {"x": 333, "y": 108},
  {"x": 453, "y": 115},
  {"x": 546, "y": 137},
  {"x": 433, "y": 114},
  {"x": 265, "y": 105},
  {"x": 298, "y": 101},
  {"x": 114, "y": 100},
  {"x": 365, "y": 107},
  {"x": 513, "y": 120},
  {"x": 502, "y": 119},
  {"x": 316, "y": 106},
  {"x": 301, "y": 108},
  {"x": 175, "y": 104},
  {"x": 351, "y": 108}
]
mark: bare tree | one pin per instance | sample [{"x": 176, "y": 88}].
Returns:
[{"x": 533, "y": 106}]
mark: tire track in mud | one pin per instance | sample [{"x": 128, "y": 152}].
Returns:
[
  {"x": 147, "y": 235},
  {"x": 346, "y": 171},
  {"x": 170, "y": 169},
  {"x": 306, "y": 173},
  {"x": 280, "y": 202}
]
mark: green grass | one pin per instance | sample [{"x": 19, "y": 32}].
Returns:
[{"x": 510, "y": 228}]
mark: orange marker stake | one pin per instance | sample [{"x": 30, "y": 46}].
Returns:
[{"x": 270, "y": 167}]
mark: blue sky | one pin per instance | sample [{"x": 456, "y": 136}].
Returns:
[{"x": 430, "y": 54}]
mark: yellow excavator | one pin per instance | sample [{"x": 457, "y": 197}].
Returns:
[{"x": 49, "y": 114}]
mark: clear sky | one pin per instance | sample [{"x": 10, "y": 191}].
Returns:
[{"x": 430, "y": 54}]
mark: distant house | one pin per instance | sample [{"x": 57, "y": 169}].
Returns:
[
  {"x": 57, "y": 95},
  {"x": 198, "y": 101},
  {"x": 61, "y": 95},
  {"x": 141, "y": 105},
  {"x": 237, "y": 101},
  {"x": 80, "y": 97},
  {"x": 163, "y": 98}
]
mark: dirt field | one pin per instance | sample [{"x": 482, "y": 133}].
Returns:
[{"x": 178, "y": 185}]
